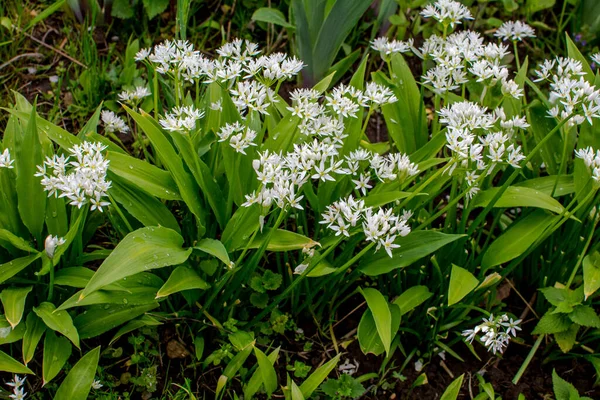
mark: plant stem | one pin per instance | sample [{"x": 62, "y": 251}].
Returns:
[{"x": 528, "y": 359}]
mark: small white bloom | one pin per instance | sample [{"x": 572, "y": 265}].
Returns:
[
  {"x": 113, "y": 123},
  {"x": 5, "y": 160},
  {"x": 514, "y": 30},
  {"x": 96, "y": 384},
  {"x": 51, "y": 243}
]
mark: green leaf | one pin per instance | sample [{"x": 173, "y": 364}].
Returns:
[
  {"x": 413, "y": 247},
  {"x": 271, "y": 16},
  {"x": 188, "y": 189},
  {"x": 412, "y": 298},
  {"x": 546, "y": 184},
  {"x": 515, "y": 196},
  {"x": 552, "y": 323},
  {"x": 539, "y": 5},
  {"x": 591, "y": 273},
  {"x": 296, "y": 392},
  {"x": 566, "y": 340},
  {"x": 32, "y": 198},
  {"x": 13, "y": 301},
  {"x": 33, "y": 334},
  {"x": 381, "y": 314},
  {"x": 462, "y": 282},
  {"x": 451, "y": 392},
  {"x": 541, "y": 125},
  {"x": 76, "y": 277},
  {"x": 142, "y": 250},
  {"x": 256, "y": 380},
  {"x": 380, "y": 199},
  {"x": 122, "y": 9},
  {"x": 132, "y": 295},
  {"x": 16, "y": 241},
  {"x": 59, "y": 321},
  {"x": 78, "y": 382},
  {"x": 144, "y": 320},
  {"x": 368, "y": 337},
  {"x": 143, "y": 175},
  {"x": 517, "y": 239},
  {"x": 314, "y": 380},
  {"x": 57, "y": 351},
  {"x": 100, "y": 319},
  {"x": 155, "y": 7},
  {"x": 281, "y": 240},
  {"x": 573, "y": 52},
  {"x": 147, "y": 209},
  {"x": 214, "y": 248},
  {"x": 585, "y": 316},
  {"x": 232, "y": 368},
  {"x": 563, "y": 390},
  {"x": 182, "y": 278},
  {"x": 9, "y": 364},
  {"x": 11, "y": 268},
  {"x": 268, "y": 374}
]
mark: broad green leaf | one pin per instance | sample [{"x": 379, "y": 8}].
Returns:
[
  {"x": 380, "y": 199},
  {"x": 546, "y": 184},
  {"x": 232, "y": 368},
  {"x": 412, "y": 298},
  {"x": 198, "y": 347},
  {"x": 517, "y": 239},
  {"x": 59, "y": 321},
  {"x": 182, "y": 278},
  {"x": 100, "y": 319},
  {"x": 268, "y": 374},
  {"x": 155, "y": 7},
  {"x": 33, "y": 334},
  {"x": 143, "y": 175},
  {"x": 57, "y": 134},
  {"x": 78, "y": 382},
  {"x": 144, "y": 320},
  {"x": 541, "y": 125},
  {"x": 131, "y": 295},
  {"x": 11, "y": 335},
  {"x": 382, "y": 315},
  {"x": 76, "y": 277},
  {"x": 9, "y": 364},
  {"x": 462, "y": 282},
  {"x": 296, "y": 393},
  {"x": 271, "y": 16},
  {"x": 11, "y": 268},
  {"x": 538, "y": 5},
  {"x": 147, "y": 209},
  {"x": 314, "y": 380},
  {"x": 585, "y": 316},
  {"x": 451, "y": 392},
  {"x": 256, "y": 380},
  {"x": 573, "y": 52},
  {"x": 32, "y": 198},
  {"x": 214, "y": 248},
  {"x": 282, "y": 240},
  {"x": 591, "y": 273},
  {"x": 185, "y": 183},
  {"x": 16, "y": 241},
  {"x": 142, "y": 250},
  {"x": 563, "y": 390},
  {"x": 413, "y": 247},
  {"x": 13, "y": 301},
  {"x": 240, "y": 227},
  {"x": 57, "y": 351},
  {"x": 567, "y": 339},
  {"x": 552, "y": 323},
  {"x": 368, "y": 337},
  {"x": 515, "y": 196}
]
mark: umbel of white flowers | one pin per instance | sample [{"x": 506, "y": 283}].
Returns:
[
  {"x": 495, "y": 332},
  {"x": 591, "y": 160},
  {"x": 82, "y": 180},
  {"x": 18, "y": 388}
]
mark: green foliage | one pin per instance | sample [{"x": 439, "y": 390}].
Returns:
[{"x": 345, "y": 387}]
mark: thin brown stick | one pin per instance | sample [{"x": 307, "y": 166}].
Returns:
[
  {"x": 24, "y": 55},
  {"x": 62, "y": 53}
]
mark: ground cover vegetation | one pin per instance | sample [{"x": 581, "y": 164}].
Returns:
[{"x": 306, "y": 199}]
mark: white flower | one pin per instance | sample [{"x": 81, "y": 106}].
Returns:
[
  {"x": 181, "y": 119},
  {"x": 591, "y": 161},
  {"x": 419, "y": 365},
  {"x": 495, "y": 332},
  {"x": 142, "y": 54},
  {"x": 387, "y": 47},
  {"x": 596, "y": 58},
  {"x": 514, "y": 30},
  {"x": 5, "y": 160},
  {"x": 81, "y": 181},
  {"x": 18, "y": 389},
  {"x": 96, "y": 384},
  {"x": 134, "y": 95},
  {"x": 252, "y": 96},
  {"x": 240, "y": 137},
  {"x": 348, "y": 367},
  {"x": 113, "y": 123},
  {"x": 51, "y": 243},
  {"x": 448, "y": 12}
]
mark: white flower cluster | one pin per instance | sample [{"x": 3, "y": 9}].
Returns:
[
  {"x": 388, "y": 47},
  {"x": 240, "y": 136},
  {"x": 495, "y": 332},
  {"x": 591, "y": 161},
  {"x": 238, "y": 66},
  {"x": 466, "y": 122},
  {"x": 18, "y": 388},
  {"x": 381, "y": 226},
  {"x": 181, "y": 119},
  {"x": 514, "y": 30},
  {"x": 596, "y": 59},
  {"x": 82, "y": 180},
  {"x": 386, "y": 168},
  {"x": 5, "y": 160},
  {"x": 570, "y": 94},
  {"x": 134, "y": 95},
  {"x": 447, "y": 12},
  {"x": 464, "y": 53},
  {"x": 113, "y": 123}
]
